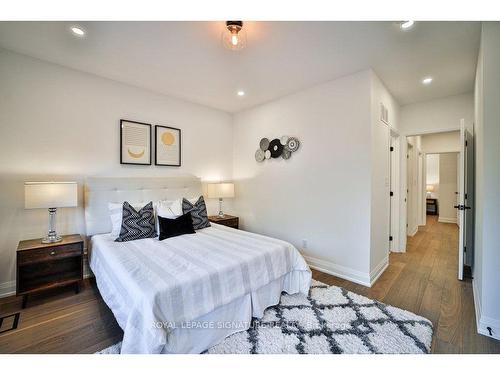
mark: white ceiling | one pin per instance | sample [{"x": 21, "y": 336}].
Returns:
[{"x": 187, "y": 60}]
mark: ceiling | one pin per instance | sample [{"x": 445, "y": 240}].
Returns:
[{"x": 187, "y": 60}]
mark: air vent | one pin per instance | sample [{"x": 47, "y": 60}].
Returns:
[{"x": 384, "y": 114}]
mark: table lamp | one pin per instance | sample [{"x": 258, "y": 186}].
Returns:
[
  {"x": 50, "y": 195},
  {"x": 221, "y": 190},
  {"x": 430, "y": 189}
]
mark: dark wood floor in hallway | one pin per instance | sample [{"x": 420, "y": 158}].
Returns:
[{"x": 422, "y": 280}]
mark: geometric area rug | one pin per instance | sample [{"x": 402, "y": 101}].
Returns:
[{"x": 329, "y": 320}]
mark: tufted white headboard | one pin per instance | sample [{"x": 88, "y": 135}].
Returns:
[{"x": 99, "y": 191}]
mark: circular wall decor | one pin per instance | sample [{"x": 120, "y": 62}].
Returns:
[
  {"x": 293, "y": 144},
  {"x": 264, "y": 144},
  {"x": 286, "y": 154},
  {"x": 276, "y": 148},
  {"x": 259, "y": 155},
  {"x": 283, "y": 146}
]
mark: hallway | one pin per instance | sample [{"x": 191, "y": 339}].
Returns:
[{"x": 424, "y": 280}]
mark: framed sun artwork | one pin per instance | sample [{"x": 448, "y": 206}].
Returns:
[
  {"x": 168, "y": 146},
  {"x": 135, "y": 143}
]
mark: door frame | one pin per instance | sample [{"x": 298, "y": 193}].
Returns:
[
  {"x": 403, "y": 181},
  {"x": 403, "y": 184}
]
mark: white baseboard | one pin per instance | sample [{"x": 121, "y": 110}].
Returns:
[
  {"x": 451, "y": 220},
  {"x": 483, "y": 322},
  {"x": 398, "y": 251},
  {"x": 379, "y": 270},
  {"x": 413, "y": 232},
  {"x": 7, "y": 289},
  {"x": 346, "y": 273}
]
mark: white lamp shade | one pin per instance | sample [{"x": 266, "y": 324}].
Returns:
[
  {"x": 50, "y": 194},
  {"x": 221, "y": 190}
]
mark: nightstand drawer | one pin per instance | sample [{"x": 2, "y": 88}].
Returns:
[
  {"x": 226, "y": 220},
  {"x": 233, "y": 223},
  {"x": 49, "y": 253}
]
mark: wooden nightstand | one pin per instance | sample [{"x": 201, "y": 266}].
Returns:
[
  {"x": 432, "y": 206},
  {"x": 227, "y": 220},
  {"x": 43, "y": 266}
]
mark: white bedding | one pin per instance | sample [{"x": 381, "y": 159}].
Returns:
[{"x": 160, "y": 291}]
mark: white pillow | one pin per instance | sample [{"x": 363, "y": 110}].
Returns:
[
  {"x": 167, "y": 209},
  {"x": 193, "y": 200},
  {"x": 116, "y": 215}
]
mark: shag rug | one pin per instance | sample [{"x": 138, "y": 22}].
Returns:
[{"x": 329, "y": 320}]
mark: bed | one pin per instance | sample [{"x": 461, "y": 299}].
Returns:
[{"x": 187, "y": 293}]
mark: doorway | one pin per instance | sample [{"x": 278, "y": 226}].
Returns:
[
  {"x": 442, "y": 186},
  {"x": 439, "y": 182}
]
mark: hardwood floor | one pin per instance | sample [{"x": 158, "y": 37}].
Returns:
[{"x": 422, "y": 280}]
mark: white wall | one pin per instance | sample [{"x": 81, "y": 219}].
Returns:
[
  {"x": 441, "y": 142},
  {"x": 323, "y": 192},
  {"x": 333, "y": 192},
  {"x": 448, "y": 187},
  {"x": 58, "y": 123},
  {"x": 437, "y": 115},
  {"x": 487, "y": 200},
  {"x": 432, "y": 173}
]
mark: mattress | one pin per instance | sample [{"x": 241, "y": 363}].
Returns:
[{"x": 187, "y": 293}]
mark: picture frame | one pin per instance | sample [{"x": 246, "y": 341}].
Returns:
[
  {"x": 168, "y": 146},
  {"x": 135, "y": 142}
]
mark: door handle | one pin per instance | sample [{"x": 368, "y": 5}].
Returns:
[{"x": 459, "y": 207}]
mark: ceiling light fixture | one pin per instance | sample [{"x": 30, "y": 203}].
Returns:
[
  {"x": 405, "y": 25},
  {"x": 234, "y": 37},
  {"x": 77, "y": 31},
  {"x": 240, "y": 93},
  {"x": 427, "y": 80}
]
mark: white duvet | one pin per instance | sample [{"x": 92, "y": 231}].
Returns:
[{"x": 154, "y": 287}]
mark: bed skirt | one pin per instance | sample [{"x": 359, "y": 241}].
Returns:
[{"x": 210, "y": 329}]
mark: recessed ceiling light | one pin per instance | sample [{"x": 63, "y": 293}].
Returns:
[
  {"x": 427, "y": 80},
  {"x": 77, "y": 31},
  {"x": 240, "y": 93},
  {"x": 405, "y": 25}
]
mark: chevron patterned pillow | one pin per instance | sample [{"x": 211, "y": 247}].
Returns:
[
  {"x": 137, "y": 224},
  {"x": 198, "y": 212}
]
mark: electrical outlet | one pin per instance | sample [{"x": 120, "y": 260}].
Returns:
[{"x": 304, "y": 244}]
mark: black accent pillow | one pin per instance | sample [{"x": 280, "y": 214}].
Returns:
[
  {"x": 198, "y": 212},
  {"x": 175, "y": 227},
  {"x": 137, "y": 224}
]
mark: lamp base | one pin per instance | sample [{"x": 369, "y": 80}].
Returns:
[
  {"x": 52, "y": 235},
  {"x": 52, "y": 239},
  {"x": 221, "y": 214}
]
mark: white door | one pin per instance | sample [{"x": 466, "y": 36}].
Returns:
[
  {"x": 409, "y": 190},
  {"x": 468, "y": 199},
  {"x": 394, "y": 194},
  {"x": 461, "y": 193},
  {"x": 464, "y": 207}
]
